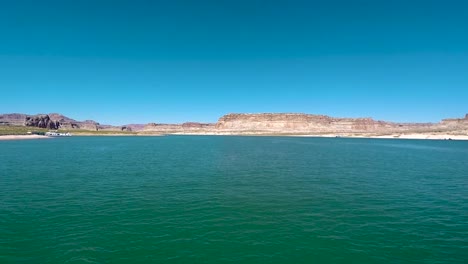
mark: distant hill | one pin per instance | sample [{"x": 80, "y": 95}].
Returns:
[{"x": 59, "y": 121}]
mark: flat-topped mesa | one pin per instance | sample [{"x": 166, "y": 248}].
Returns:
[
  {"x": 298, "y": 123},
  {"x": 272, "y": 117},
  {"x": 455, "y": 123}
]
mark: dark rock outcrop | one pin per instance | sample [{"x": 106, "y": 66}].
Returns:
[{"x": 41, "y": 121}]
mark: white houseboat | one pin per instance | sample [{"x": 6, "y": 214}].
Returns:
[{"x": 57, "y": 134}]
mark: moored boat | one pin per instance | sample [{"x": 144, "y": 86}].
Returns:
[{"x": 57, "y": 134}]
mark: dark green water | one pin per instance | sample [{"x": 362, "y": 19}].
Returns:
[{"x": 233, "y": 200}]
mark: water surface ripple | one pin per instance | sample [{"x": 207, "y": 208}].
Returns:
[{"x": 183, "y": 199}]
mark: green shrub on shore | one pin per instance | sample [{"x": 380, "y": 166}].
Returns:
[{"x": 21, "y": 130}]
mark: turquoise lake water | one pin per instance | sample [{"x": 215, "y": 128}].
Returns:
[{"x": 201, "y": 199}]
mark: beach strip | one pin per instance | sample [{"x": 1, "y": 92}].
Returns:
[{"x": 22, "y": 137}]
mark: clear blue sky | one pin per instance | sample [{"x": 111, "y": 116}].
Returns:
[{"x": 172, "y": 61}]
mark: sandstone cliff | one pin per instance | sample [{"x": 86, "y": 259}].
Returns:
[
  {"x": 307, "y": 123},
  {"x": 455, "y": 123}
]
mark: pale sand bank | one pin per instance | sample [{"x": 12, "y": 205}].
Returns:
[
  {"x": 398, "y": 136},
  {"x": 393, "y": 136},
  {"x": 22, "y": 137},
  {"x": 427, "y": 136}
]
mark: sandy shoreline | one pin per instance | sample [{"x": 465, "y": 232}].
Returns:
[
  {"x": 424, "y": 136},
  {"x": 22, "y": 137},
  {"x": 393, "y": 136},
  {"x": 397, "y": 136}
]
